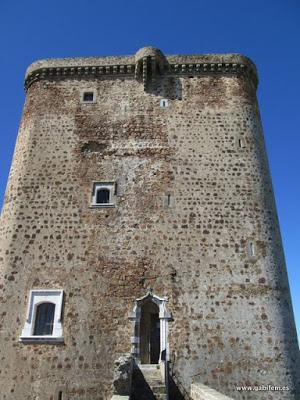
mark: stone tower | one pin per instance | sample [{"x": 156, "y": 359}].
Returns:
[{"x": 139, "y": 218}]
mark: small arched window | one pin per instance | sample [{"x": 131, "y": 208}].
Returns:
[
  {"x": 102, "y": 196},
  {"x": 164, "y": 103},
  {"x": 44, "y": 319},
  {"x": 43, "y": 323}
]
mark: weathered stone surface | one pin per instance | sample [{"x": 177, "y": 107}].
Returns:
[
  {"x": 202, "y": 392},
  {"x": 189, "y": 202},
  {"x": 122, "y": 375}
]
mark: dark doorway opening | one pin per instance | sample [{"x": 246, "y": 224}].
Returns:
[{"x": 150, "y": 333}]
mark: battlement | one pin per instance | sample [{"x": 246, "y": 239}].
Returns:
[{"x": 146, "y": 66}]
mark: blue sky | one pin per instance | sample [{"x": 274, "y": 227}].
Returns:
[{"x": 268, "y": 31}]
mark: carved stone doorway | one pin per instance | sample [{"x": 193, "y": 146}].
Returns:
[{"x": 150, "y": 323}]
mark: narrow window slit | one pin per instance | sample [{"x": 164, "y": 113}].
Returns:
[
  {"x": 251, "y": 249},
  {"x": 169, "y": 200}
]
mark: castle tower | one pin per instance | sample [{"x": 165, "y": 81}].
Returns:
[{"x": 139, "y": 218}]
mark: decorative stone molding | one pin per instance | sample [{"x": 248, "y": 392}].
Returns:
[
  {"x": 164, "y": 316},
  {"x": 150, "y": 64}
]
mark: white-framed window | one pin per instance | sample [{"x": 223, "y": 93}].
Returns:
[
  {"x": 104, "y": 194},
  {"x": 164, "y": 103},
  {"x": 88, "y": 96},
  {"x": 44, "y": 317}
]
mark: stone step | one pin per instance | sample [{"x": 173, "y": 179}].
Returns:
[
  {"x": 153, "y": 381},
  {"x": 154, "y": 377},
  {"x": 149, "y": 383},
  {"x": 159, "y": 389},
  {"x": 151, "y": 372},
  {"x": 152, "y": 385},
  {"x": 149, "y": 366},
  {"x": 141, "y": 395}
]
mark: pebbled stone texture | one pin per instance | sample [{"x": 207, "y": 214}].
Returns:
[
  {"x": 122, "y": 375},
  {"x": 232, "y": 315}
]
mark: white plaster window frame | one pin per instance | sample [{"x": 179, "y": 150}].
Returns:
[
  {"x": 37, "y": 297},
  {"x": 111, "y": 186},
  {"x": 88, "y": 90},
  {"x": 164, "y": 103}
]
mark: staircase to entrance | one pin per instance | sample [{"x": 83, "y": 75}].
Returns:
[{"x": 148, "y": 383}]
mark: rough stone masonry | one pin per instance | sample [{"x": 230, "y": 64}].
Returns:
[{"x": 142, "y": 179}]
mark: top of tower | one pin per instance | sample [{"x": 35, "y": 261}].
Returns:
[
  {"x": 149, "y": 51},
  {"x": 149, "y": 62},
  {"x": 146, "y": 65}
]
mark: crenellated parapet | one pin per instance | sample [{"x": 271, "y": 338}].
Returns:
[{"x": 148, "y": 65}]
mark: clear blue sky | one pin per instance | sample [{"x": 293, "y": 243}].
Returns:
[{"x": 268, "y": 31}]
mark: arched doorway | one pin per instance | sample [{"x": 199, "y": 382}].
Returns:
[
  {"x": 150, "y": 319},
  {"x": 149, "y": 333}
]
